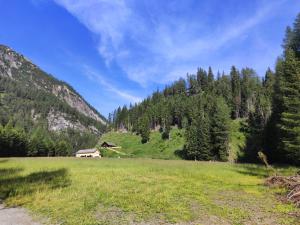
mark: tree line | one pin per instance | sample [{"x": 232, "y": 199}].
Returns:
[
  {"x": 203, "y": 104},
  {"x": 15, "y": 141}
]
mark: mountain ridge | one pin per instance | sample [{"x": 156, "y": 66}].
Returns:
[{"x": 66, "y": 108}]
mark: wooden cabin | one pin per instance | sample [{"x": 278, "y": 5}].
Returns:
[
  {"x": 106, "y": 144},
  {"x": 92, "y": 153}
]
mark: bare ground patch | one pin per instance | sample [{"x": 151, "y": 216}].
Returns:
[
  {"x": 16, "y": 216},
  {"x": 254, "y": 211},
  {"x": 115, "y": 215}
]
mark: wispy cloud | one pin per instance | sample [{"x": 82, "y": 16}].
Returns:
[
  {"x": 96, "y": 77},
  {"x": 154, "y": 47}
]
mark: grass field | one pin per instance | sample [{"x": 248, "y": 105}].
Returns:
[{"x": 142, "y": 191}]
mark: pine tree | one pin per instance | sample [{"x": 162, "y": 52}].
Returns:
[
  {"x": 249, "y": 88},
  {"x": 62, "y": 148},
  {"x": 193, "y": 86},
  {"x": 292, "y": 38},
  {"x": 202, "y": 79},
  {"x": 198, "y": 138},
  {"x": 210, "y": 79},
  {"x": 236, "y": 92},
  {"x": 272, "y": 132},
  {"x": 256, "y": 124},
  {"x": 144, "y": 129},
  {"x": 289, "y": 123},
  {"x": 268, "y": 83},
  {"x": 220, "y": 129},
  {"x": 167, "y": 128},
  {"x": 13, "y": 141}
]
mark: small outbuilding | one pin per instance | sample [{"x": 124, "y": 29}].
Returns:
[
  {"x": 93, "y": 153},
  {"x": 108, "y": 145}
]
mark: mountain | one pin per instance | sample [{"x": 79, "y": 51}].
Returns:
[{"x": 31, "y": 97}]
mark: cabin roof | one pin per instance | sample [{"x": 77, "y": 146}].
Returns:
[
  {"x": 85, "y": 151},
  {"x": 109, "y": 143}
]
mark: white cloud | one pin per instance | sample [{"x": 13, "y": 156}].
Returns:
[
  {"x": 155, "y": 48},
  {"x": 95, "y": 76}
]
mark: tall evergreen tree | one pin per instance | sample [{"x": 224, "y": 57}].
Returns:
[
  {"x": 236, "y": 92},
  {"x": 268, "y": 83},
  {"x": 220, "y": 129},
  {"x": 144, "y": 129},
  {"x": 210, "y": 79},
  {"x": 292, "y": 38},
  {"x": 249, "y": 88},
  {"x": 198, "y": 139},
  {"x": 289, "y": 123},
  {"x": 202, "y": 79}
]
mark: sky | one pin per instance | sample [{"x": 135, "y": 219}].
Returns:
[{"x": 116, "y": 52}]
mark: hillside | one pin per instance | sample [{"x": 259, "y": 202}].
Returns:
[
  {"x": 155, "y": 148},
  {"x": 31, "y": 97}
]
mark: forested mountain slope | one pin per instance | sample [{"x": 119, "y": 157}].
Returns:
[
  {"x": 32, "y": 100},
  {"x": 25, "y": 80},
  {"x": 204, "y": 107}
]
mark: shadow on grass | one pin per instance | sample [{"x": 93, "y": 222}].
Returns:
[
  {"x": 180, "y": 153},
  {"x": 14, "y": 185},
  {"x": 252, "y": 170},
  {"x": 3, "y": 160},
  {"x": 9, "y": 172}
]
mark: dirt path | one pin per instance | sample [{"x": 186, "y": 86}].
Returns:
[
  {"x": 15, "y": 216},
  {"x": 114, "y": 150}
]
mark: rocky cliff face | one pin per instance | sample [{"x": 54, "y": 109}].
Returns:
[
  {"x": 75, "y": 101},
  {"x": 18, "y": 71}
]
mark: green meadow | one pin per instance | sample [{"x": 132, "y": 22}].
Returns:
[
  {"x": 143, "y": 191},
  {"x": 156, "y": 148}
]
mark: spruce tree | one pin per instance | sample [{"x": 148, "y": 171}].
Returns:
[
  {"x": 144, "y": 129},
  {"x": 210, "y": 79},
  {"x": 289, "y": 123},
  {"x": 292, "y": 38},
  {"x": 198, "y": 138},
  {"x": 236, "y": 92},
  {"x": 63, "y": 148},
  {"x": 256, "y": 124},
  {"x": 220, "y": 120},
  {"x": 272, "y": 132},
  {"x": 202, "y": 79},
  {"x": 268, "y": 83}
]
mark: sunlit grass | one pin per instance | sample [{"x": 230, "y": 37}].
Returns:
[
  {"x": 156, "y": 148},
  {"x": 121, "y": 191}
]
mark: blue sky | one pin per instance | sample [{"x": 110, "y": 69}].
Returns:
[{"x": 114, "y": 52}]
